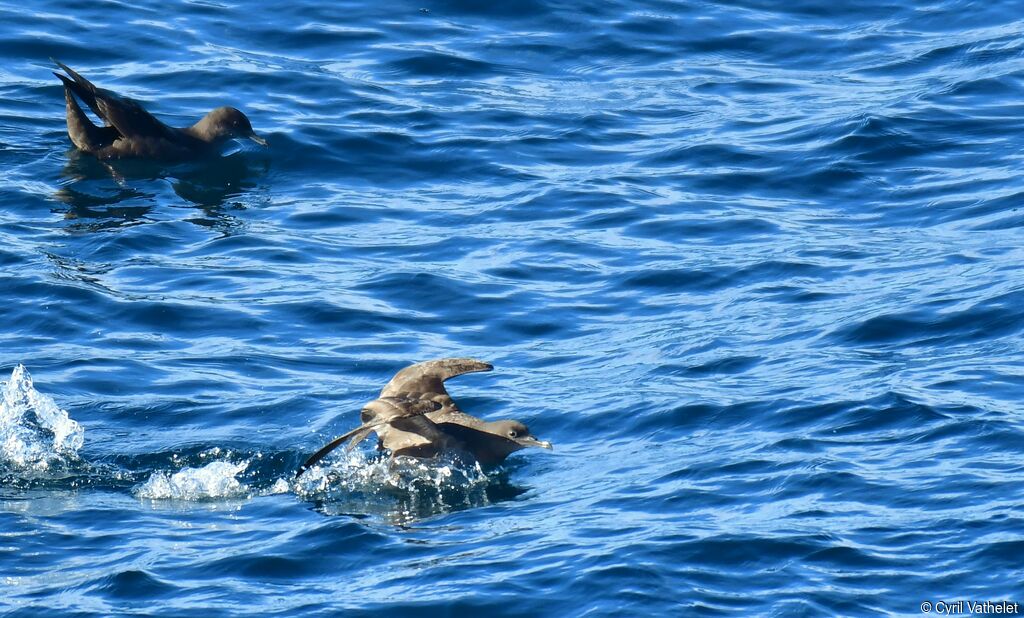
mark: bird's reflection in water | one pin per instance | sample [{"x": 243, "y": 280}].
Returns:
[
  {"x": 407, "y": 508},
  {"x": 90, "y": 198},
  {"x": 216, "y": 186}
]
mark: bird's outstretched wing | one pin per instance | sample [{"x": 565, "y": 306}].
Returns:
[
  {"x": 426, "y": 381},
  {"x": 429, "y": 376},
  {"x": 125, "y": 115},
  {"x": 404, "y": 414}
]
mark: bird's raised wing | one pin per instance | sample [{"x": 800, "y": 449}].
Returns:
[
  {"x": 426, "y": 380},
  {"x": 125, "y": 115}
]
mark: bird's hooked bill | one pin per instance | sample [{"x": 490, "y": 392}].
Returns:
[
  {"x": 531, "y": 441},
  {"x": 259, "y": 140}
]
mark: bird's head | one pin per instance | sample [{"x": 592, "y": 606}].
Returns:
[
  {"x": 226, "y": 123},
  {"x": 518, "y": 433}
]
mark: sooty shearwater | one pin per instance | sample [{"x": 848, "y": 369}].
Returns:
[
  {"x": 132, "y": 132},
  {"x": 415, "y": 416}
]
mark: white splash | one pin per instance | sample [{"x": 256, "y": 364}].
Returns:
[
  {"x": 215, "y": 480},
  {"x": 401, "y": 491},
  {"x": 280, "y": 486},
  {"x": 34, "y": 431},
  {"x": 356, "y": 472}
]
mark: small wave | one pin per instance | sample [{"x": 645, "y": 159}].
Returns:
[
  {"x": 214, "y": 480},
  {"x": 35, "y": 432}
]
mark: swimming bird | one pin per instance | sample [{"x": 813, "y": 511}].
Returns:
[
  {"x": 132, "y": 132},
  {"x": 415, "y": 416}
]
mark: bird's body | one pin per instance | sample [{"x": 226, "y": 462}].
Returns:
[
  {"x": 415, "y": 416},
  {"x": 132, "y": 132}
]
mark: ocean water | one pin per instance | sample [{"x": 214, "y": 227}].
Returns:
[{"x": 754, "y": 268}]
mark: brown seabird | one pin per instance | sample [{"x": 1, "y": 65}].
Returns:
[
  {"x": 132, "y": 132},
  {"x": 415, "y": 416}
]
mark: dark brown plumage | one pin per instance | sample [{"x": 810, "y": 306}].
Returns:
[
  {"x": 132, "y": 132},
  {"x": 415, "y": 416}
]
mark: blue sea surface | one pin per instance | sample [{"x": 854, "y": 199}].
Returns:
[{"x": 754, "y": 268}]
